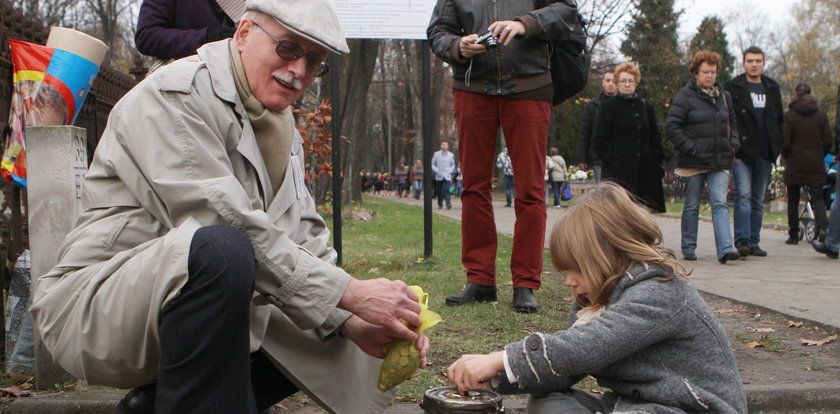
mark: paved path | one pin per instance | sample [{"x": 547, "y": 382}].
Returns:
[{"x": 793, "y": 280}]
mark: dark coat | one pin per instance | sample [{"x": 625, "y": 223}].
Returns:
[
  {"x": 702, "y": 129},
  {"x": 807, "y": 139},
  {"x": 585, "y": 146},
  {"x": 521, "y": 66},
  {"x": 837, "y": 125},
  {"x": 628, "y": 142},
  {"x": 745, "y": 117},
  {"x": 172, "y": 29}
]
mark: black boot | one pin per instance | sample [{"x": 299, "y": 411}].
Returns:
[
  {"x": 793, "y": 239},
  {"x": 140, "y": 400},
  {"x": 473, "y": 292},
  {"x": 524, "y": 300}
]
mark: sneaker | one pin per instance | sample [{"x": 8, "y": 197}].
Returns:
[
  {"x": 558, "y": 206},
  {"x": 689, "y": 256},
  {"x": 793, "y": 239},
  {"x": 822, "y": 248},
  {"x": 733, "y": 255},
  {"x": 743, "y": 250},
  {"x": 758, "y": 251}
]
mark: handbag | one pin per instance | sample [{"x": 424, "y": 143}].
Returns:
[
  {"x": 566, "y": 195},
  {"x": 569, "y": 63}
]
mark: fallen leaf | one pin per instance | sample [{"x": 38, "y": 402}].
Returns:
[
  {"x": 792, "y": 324},
  {"x": 442, "y": 381},
  {"x": 755, "y": 344},
  {"x": 14, "y": 392},
  {"x": 20, "y": 378},
  {"x": 527, "y": 330},
  {"x": 390, "y": 249},
  {"x": 761, "y": 329},
  {"x": 731, "y": 310},
  {"x": 811, "y": 342},
  {"x": 373, "y": 270}
]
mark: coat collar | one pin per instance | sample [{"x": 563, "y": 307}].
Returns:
[{"x": 217, "y": 57}]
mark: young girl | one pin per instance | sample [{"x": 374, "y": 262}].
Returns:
[{"x": 636, "y": 325}]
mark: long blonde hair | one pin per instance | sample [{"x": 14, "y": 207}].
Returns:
[{"x": 604, "y": 233}]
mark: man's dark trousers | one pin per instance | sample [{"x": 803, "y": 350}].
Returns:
[{"x": 206, "y": 366}]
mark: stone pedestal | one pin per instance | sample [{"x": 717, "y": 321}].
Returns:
[{"x": 56, "y": 167}]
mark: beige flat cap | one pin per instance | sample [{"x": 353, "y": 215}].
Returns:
[{"x": 314, "y": 20}]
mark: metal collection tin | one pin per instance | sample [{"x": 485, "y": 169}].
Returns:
[{"x": 447, "y": 400}]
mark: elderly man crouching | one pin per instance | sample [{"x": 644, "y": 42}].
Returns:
[{"x": 199, "y": 270}]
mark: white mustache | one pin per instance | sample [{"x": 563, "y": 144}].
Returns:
[{"x": 288, "y": 80}]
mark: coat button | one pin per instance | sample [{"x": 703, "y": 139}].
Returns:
[
  {"x": 533, "y": 343},
  {"x": 637, "y": 395}
]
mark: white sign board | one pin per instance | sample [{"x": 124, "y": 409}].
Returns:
[{"x": 384, "y": 19}]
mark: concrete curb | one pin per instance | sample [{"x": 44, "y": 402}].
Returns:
[{"x": 761, "y": 399}]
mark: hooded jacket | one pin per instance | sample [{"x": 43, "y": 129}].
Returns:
[
  {"x": 703, "y": 130},
  {"x": 521, "y": 66},
  {"x": 745, "y": 116},
  {"x": 807, "y": 139},
  {"x": 657, "y": 346}
]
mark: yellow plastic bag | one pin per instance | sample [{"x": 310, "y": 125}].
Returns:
[{"x": 403, "y": 358}]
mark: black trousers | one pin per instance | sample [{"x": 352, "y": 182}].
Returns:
[
  {"x": 206, "y": 366},
  {"x": 817, "y": 205}
]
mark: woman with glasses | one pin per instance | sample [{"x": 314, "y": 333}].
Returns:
[
  {"x": 701, "y": 124},
  {"x": 628, "y": 141}
]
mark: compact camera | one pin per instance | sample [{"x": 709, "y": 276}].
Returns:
[{"x": 488, "y": 39}]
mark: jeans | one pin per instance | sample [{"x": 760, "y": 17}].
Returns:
[
  {"x": 832, "y": 238},
  {"x": 418, "y": 186},
  {"x": 817, "y": 205},
  {"x": 569, "y": 401},
  {"x": 442, "y": 191},
  {"x": 556, "y": 187},
  {"x": 717, "y": 182},
  {"x": 750, "y": 184},
  {"x": 510, "y": 190},
  {"x": 597, "y": 170}
]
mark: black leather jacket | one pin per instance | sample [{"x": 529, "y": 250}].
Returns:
[{"x": 504, "y": 70}]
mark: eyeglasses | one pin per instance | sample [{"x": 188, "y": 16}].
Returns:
[
  {"x": 290, "y": 51},
  {"x": 627, "y": 81}
]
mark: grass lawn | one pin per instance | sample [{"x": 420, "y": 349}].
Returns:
[{"x": 386, "y": 246}]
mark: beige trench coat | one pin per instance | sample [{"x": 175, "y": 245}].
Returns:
[{"x": 178, "y": 154}]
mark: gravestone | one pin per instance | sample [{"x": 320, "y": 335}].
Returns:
[{"x": 56, "y": 167}]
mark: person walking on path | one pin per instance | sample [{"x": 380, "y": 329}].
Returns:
[
  {"x": 807, "y": 139},
  {"x": 401, "y": 178},
  {"x": 585, "y": 155},
  {"x": 701, "y": 124},
  {"x": 759, "y": 113},
  {"x": 443, "y": 165},
  {"x": 628, "y": 142},
  {"x": 503, "y": 164},
  {"x": 199, "y": 270},
  {"x": 417, "y": 172},
  {"x": 504, "y": 82},
  {"x": 559, "y": 175},
  {"x": 831, "y": 246}
]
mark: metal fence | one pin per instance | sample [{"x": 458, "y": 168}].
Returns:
[{"x": 108, "y": 87}]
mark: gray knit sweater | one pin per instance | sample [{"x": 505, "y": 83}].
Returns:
[{"x": 657, "y": 346}]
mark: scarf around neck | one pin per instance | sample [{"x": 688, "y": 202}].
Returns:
[{"x": 274, "y": 131}]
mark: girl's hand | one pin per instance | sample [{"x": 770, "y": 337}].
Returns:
[{"x": 472, "y": 372}]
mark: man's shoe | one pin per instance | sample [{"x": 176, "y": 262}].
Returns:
[
  {"x": 524, "y": 300},
  {"x": 733, "y": 255},
  {"x": 793, "y": 239},
  {"x": 449, "y": 206},
  {"x": 140, "y": 400},
  {"x": 758, "y": 251},
  {"x": 822, "y": 248},
  {"x": 473, "y": 292},
  {"x": 743, "y": 250},
  {"x": 689, "y": 256}
]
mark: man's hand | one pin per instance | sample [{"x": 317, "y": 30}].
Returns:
[
  {"x": 473, "y": 372},
  {"x": 505, "y": 30},
  {"x": 469, "y": 48},
  {"x": 371, "y": 338},
  {"x": 583, "y": 166},
  {"x": 385, "y": 303}
]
